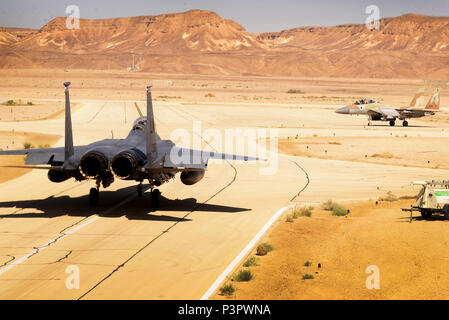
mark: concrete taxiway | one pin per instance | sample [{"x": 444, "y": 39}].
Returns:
[{"x": 124, "y": 249}]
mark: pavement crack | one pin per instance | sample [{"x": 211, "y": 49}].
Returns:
[
  {"x": 307, "y": 183},
  {"x": 63, "y": 258},
  {"x": 10, "y": 260},
  {"x": 168, "y": 229},
  {"x": 62, "y": 233}
]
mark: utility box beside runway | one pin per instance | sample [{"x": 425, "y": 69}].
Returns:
[{"x": 433, "y": 198}]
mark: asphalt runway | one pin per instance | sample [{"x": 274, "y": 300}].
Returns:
[{"x": 125, "y": 249}]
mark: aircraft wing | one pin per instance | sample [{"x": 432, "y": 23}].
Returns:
[
  {"x": 39, "y": 156},
  {"x": 374, "y": 112},
  {"x": 387, "y": 113},
  {"x": 182, "y": 159},
  {"x": 51, "y": 156},
  {"x": 415, "y": 113}
]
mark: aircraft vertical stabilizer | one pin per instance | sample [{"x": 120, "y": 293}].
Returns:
[
  {"x": 418, "y": 99},
  {"x": 434, "y": 101},
  {"x": 68, "y": 147},
  {"x": 151, "y": 131}
]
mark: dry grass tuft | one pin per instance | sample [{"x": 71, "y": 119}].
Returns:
[{"x": 385, "y": 155}]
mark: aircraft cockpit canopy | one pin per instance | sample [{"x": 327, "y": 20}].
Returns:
[
  {"x": 364, "y": 101},
  {"x": 140, "y": 123}
]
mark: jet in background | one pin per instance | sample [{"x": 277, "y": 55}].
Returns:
[
  {"x": 376, "y": 111},
  {"x": 142, "y": 155}
]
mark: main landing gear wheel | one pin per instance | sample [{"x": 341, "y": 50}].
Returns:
[
  {"x": 405, "y": 123},
  {"x": 446, "y": 211},
  {"x": 391, "y": 123},
  {"x": 94, "y": 196},
  {"x": 155, "y": 195},
  {"x": 139, "y": 191}
]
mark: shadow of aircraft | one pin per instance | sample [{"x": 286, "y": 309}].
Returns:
[{"x": 110, "y": 206}]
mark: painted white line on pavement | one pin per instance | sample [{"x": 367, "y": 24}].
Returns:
[{"x": 65, "y": 234}]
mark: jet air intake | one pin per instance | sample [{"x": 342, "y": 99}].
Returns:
[
  {"x": 125, "y": 164},
  {"x": 93, "y": 164},
  {"x": 191, "y": 177}
]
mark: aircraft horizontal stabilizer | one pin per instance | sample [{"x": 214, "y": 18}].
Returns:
[{"x": 35, "y": 167}]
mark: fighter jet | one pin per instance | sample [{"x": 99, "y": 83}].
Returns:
[
  {"x": 142, "y": 155},
  {"x": 376, "y": 111}
]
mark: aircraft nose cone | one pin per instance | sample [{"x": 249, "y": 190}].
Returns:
[{"x": 343, "y": 110}]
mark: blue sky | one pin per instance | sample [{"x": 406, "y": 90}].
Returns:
[{"x": 254, "y": 15}]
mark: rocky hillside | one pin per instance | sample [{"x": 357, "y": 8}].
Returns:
[{"x": 412, "y": 46}]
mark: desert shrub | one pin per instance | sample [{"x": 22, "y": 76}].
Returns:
[
  {"x": 329, "y": 205},
  {"x": 29, "y": 103},
  {"x": 302, "y": 212},
  {"x": 385, "y": 155},
  {"x": 390, "y": 197},
  {"x": 289, "y": 218},
  {"x": 263, "y": 249},
  {"x": 339, "y": 211},
  {"x": 27, "y": 145},
  {"x": 295, "y": 213},
  {"x": 268, "y": 246},
  {"x": 251, "y": 261},
  {"x": 227, "y": 290},
  {"x": 244, "y": 275},
  {"x": 209, "y": 95},
  {"x": 295, "y": 91},
  {"x": 10, "y": 103},
  {"x": 307, "y": 264},
  {"x": 307, "y": 276}
]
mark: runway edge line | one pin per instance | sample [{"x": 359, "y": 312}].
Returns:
[{"x": 243, "y": 253}]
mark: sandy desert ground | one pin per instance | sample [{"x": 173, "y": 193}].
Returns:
[
  {"x": 127, "y": 250},
  {"x": 411, "y": 257}
]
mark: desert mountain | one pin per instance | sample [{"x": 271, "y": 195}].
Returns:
[
  {"x": 412, "y": 33},
  {"x": 12, "y": 35},
  {"x": 202, "y": 42},
  {"x": 182, "y": 33}
]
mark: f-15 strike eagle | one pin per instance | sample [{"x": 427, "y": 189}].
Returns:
[
  {"x": 376, "y": 111},
  {"x": 142, "y": 155}
]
